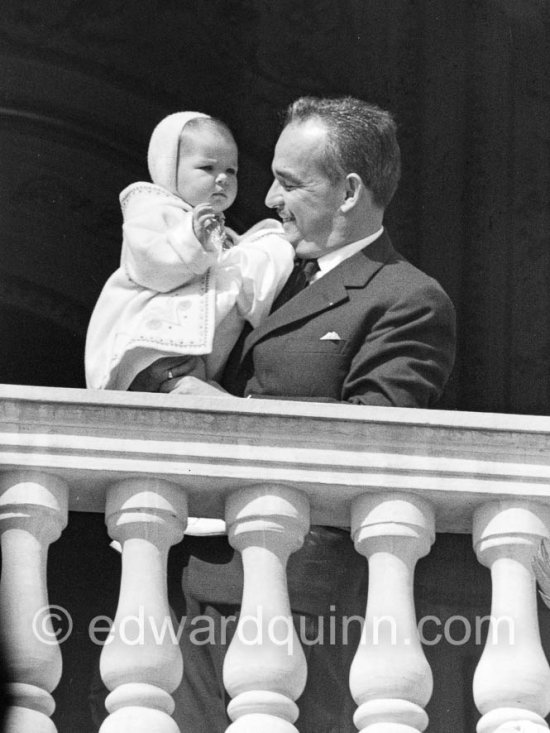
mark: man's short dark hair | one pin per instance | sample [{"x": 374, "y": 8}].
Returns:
[{"x": 361, "y": 139}]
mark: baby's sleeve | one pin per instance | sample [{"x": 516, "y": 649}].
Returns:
[
  {"x": 159, "y": 248},
  {"x": 264, "y": 259}
]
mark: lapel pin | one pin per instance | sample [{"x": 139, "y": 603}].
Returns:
[{"x": 330, "y": 336}]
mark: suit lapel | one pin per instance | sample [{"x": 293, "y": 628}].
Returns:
[{"x": 332, "y": 288}]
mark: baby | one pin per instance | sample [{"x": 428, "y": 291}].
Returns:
[{"x": 185, "y": 284}]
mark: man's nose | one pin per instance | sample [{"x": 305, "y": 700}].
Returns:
[{"x": 273, "y": 198}]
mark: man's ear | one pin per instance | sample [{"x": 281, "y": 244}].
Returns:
[{"x": 352, "y": 191}]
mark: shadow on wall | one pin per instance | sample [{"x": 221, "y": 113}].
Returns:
[{"x": 37, "y": 351}]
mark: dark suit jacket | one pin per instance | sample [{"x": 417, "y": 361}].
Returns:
[
  {"x": 394, "y": 337},
  {"x": 373, "y": 331}
]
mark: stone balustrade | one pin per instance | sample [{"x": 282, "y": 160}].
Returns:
[{"x": 269, "y": 468}]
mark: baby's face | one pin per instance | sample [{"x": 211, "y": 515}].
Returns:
[{"x": 207, "y": 169}]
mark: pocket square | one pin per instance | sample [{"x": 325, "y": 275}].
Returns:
[{"x": 330, "y": 336}]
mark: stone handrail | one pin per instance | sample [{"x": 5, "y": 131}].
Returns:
[{"x": 269, "y": 468}]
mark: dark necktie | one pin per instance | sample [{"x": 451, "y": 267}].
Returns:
[{"x": 299, "y": 278}]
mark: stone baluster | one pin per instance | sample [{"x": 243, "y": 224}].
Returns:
[
  {"x": 512, "y": 679},
  {"x": 141, "y": 662},
  {"x": 265, "y": 668},
  {"x": 390, "y": 679},
  {"x": 33, "y": 513}
]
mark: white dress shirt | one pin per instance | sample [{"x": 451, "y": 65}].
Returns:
[{"x": 329, "y": 261}]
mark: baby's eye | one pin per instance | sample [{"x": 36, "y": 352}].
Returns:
[
  {"x": 231, "y": 171},
  {"x": 205, "y": 167}
]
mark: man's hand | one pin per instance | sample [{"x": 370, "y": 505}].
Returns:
[
  {"x": 192, "y": 385},
  {"x": 208, "y": 227},
  {"x": 164, "y": 374}
]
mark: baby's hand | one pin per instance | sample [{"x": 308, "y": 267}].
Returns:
[{"x": 208, "y": 227}]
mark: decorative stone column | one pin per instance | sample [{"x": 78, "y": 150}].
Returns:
[
  {"x": 390, "y": 678},
  {"x": 265, "y": 668},
  {"x": 33, "y": 513},
  {"x": 512, "y": 679},
  {"x": 142, "y": 662}
]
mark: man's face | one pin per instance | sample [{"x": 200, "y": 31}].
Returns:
[{"x": 306, "y": 200}]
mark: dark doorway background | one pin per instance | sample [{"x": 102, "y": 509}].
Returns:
[{"x": 83, "y": 84}]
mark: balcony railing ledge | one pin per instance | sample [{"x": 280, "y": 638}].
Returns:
[{"x": 332, "y": 452}]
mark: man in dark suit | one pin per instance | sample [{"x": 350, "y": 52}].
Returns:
[
  {"x": 366, "y": 328},
  {"x": 370, "y": 328}
]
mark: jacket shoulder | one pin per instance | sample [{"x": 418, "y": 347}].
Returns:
[{"x": 406, "y": 278}]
